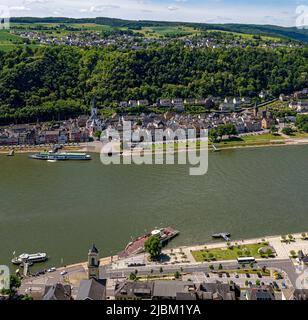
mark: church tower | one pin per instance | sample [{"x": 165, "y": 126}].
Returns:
[
  {"x": 93, "y": 263},
  {"x": 93, "y": 108}
]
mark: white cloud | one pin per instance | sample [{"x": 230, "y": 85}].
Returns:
[
  {"x": 19, "y": 8},
  {"x": 172, "y": 8}
]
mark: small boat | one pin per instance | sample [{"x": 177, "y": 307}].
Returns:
[
  {"x": 30, "y": 258},
  {"x": 223, "y": 235},
  {"x": 11, "y": 153}
]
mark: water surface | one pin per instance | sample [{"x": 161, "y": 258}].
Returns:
[{"x": 62, "y": 208}]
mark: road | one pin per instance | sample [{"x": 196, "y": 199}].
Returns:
[
  {"x": 285, "y": 265},
  {"x": 38, "y": 283}
]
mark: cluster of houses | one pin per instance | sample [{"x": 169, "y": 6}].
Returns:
[
  {"x": 82, "y": 39},
  {"x": 137, "y": 41},
  {"x": 41, "y": 134},
  {"x": 179, "y": 104},
  {"x": 85, "y": 129}
]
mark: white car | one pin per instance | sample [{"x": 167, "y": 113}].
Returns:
[
  {"x": 63, "y": 273},
  {"x": 53, "y": 269}
]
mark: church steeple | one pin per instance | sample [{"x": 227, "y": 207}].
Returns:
[
  {"x": 93, "y": 108},
  {"x": 93, "y": 263}
]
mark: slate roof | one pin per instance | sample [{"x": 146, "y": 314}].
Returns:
[
  {"x": 57, "y": 292},
  {"x": 92, "y": 290},
  {"x": 170, "y": 289}
]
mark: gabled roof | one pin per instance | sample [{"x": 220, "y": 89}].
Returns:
[
  {"x": 92, "y": 290},
  {"x": 170, "y": 288},
  {"x": 57, "y": 292}
]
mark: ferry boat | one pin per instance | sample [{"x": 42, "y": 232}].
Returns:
[
  {"x": 60, "y": 156},
  {"x": 137, "y": 245},
  {"x": 30, "y": 258}
]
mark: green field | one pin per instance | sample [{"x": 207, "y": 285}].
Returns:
[
  {"x": 247, "y": 36},
  {"x": 220, "y": 254},
  {"x": 9, "y": 41},
  {"x": 260, "y": 139}
]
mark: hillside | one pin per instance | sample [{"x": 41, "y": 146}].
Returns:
[{"x": 60, "y": 81}]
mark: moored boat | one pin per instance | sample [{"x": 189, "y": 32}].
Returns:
[
  {"x": 30, "y": 258},
  {"x": 137, "y": 245},
  {"x": 60, "y": 156}
]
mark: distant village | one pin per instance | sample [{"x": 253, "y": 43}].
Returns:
[
  {"x": 136, "y": 41},
  {"x": 246, "y": 116}
]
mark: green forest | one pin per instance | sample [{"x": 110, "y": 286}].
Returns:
[{"x": 40, "y": 83}]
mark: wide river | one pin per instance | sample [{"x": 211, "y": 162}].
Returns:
[{"x": 62, "y": 208}]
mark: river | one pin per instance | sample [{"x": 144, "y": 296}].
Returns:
[{"x": 62, "y": 208}]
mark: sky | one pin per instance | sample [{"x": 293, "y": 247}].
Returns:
[{"x": 278, "y": 12}]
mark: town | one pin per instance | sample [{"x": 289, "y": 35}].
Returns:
[
  {"x": 245, "y": 115},
  {"x": 271, "y": 268}
]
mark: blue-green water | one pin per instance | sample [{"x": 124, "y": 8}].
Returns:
[{"x": 62, "y": 208}]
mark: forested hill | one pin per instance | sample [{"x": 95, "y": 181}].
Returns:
[
  {"x": 271, "y": 30},
  {"x": 61, "y": 80}
]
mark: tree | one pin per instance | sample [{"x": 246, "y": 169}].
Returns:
[
  {"x": 15, "y": 282},
  {"x": 210, "y": 256},
  {"x": 287, "y": 131},
  {"x": 220, "y": 267},
  {"x": 269, "y": 252},
  {"x": 213, "y": 135},
  {"x": 293, "y": 253},
  {"x": 273, "y": 129},
  {"x": 153, "y": 247},
  {"x": 133, "y": 276},
  {"x": 177, "y": 275}
]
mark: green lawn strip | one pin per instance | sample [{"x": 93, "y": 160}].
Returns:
[
  {"x": 299, "y": 134},
  {"x": 220, "y": 254},
  {"x": 265, "y": 273}
]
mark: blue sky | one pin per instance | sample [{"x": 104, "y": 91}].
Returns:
[{"x": 279, "y": 12}]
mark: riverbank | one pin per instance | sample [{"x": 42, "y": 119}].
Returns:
[
  {"x": 95, "y": 147},
  {"x": 281, "y": 250}
]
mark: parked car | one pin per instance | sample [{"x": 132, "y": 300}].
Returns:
[{"x": 53, "y": 269}]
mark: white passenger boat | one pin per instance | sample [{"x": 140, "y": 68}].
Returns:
[
  {"x": 31, "y": 258},
  {"x": 60, "y": 156}
]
